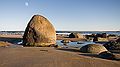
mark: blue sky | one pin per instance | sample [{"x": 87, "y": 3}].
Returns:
[{"x": 71, "y": 15}]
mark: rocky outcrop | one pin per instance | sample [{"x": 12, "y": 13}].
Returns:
[
  {"x": 93, "y": 48},
  {"x": 39, "y": 32}
]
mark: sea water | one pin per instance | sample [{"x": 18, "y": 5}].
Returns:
[{"x": 76, "y": 44}]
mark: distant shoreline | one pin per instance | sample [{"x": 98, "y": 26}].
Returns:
[{"x": 82, "y": 32}]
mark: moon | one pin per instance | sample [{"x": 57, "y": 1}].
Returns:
[{"x": 26, "y": 4}]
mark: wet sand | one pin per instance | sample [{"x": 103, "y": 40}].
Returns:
[
  {"x": 11, "y": 36},
  {"x": 50, "y": 57}
]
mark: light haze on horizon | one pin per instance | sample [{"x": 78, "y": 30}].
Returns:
[{"x": 65, "y": 15}]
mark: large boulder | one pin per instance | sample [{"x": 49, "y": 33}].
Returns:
[
  {"x": 93, "y": 48},
  {"x": 39, "y": 32}
]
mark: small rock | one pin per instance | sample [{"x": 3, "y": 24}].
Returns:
[{"x": 65, "y": 41}]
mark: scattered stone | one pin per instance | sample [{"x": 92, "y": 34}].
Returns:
[
  {"x": 44, "y": 50},
  {"x": 112, "y": 45},
  {"x": 4, "y": 44},
  {"x": 93, "y": 48},
  {"x": 117, "y": 56},
  {"x": 39, "y": 32},
  {"x": 65, "y": 41},
  {"x": 76, "y": 35}
]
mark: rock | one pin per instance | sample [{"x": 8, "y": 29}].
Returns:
[
  {"x": 4, "y": 44},
  {"x": 118, "y": 40},
  {"x": 93, "y": 48},
  {"x": 102, "y": 35},
  {"x": 95, "y": 39},
  {"x": 117, "y": 56},
  {"x": 65, "y": 41},
  {"x": 107, "y": 55},
  {"x": 76, "y": 35},
  {"x": 39, "y": 32},
  {"x": 112, "y": 45}
]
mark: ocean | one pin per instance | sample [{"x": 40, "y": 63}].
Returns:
[{"x": 74, "y": 44}]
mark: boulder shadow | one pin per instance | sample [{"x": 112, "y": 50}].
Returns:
[
  {"x": 97, "y": 56},
  {"x": 89, "y": 55},
  {"x": 68, "y": 49}
]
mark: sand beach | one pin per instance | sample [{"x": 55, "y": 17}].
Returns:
[{"x": 50, "y": 57}]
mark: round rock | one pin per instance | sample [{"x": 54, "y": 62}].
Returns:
[{"x": 93, "y": 48}]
